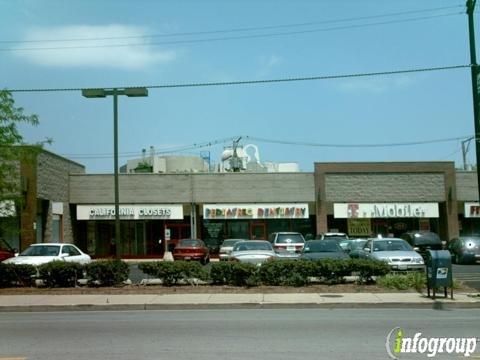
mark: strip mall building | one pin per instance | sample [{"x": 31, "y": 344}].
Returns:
[{"x": 361, "y": 199}]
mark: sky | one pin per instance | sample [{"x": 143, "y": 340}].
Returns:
[{"x": 75, "y": 44}]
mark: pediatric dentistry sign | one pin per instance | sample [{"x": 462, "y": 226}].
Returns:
[
  {"x": 257, "y": 211},
  {"x": 397, "y": 343},
  {"x": 385, "y": 210}
]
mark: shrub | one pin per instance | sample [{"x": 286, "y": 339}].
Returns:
[
  {"x": 16, "y": 275},
  {"x": 286, "y": 272},
  {"x": 171, "y": 273},
  {"x": 415, "y": 281},
  {"x": 107, "y": 272},
  {"x": 332, "y": 271},
  {"x": 367, "y": 269},
  {"x": 234, "y": 273},
  {"x": 61, "y": 273}
]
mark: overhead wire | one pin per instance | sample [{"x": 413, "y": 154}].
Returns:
[
  {"x": 240, "y": 37},
  {"x": 253, "y": 82},
  {"x": 271, "y": 141},
  {"x": 242, "y": 29}
]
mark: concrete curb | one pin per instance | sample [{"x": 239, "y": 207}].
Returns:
[
  {"x": 435, "y": 305},
  {"x": 219, "y": 300}
]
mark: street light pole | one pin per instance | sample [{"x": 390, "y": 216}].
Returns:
[
  {"x": 474, "y": 73},
  {"x": 101, "y": 93},
  {"x": 118, "y": 243}
]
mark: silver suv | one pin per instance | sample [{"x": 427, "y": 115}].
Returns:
[{"x": 287, "y": 244}]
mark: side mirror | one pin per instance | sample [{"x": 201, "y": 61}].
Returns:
[
  {"x": 64, "y": 255},
  {"x": 416, "y": 248},
  {"x": 367, "y": 249}
]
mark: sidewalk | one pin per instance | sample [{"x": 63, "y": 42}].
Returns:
[{"x": 30, "y": 303}]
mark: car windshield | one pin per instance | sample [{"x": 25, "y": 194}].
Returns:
[
  {"x": 252, "y": 245},
  {"x": 41, "y": 250},
  {"x": 230, "y": 242},
  {"x": 391, "y": 245},
  {"x": 352, "y": 244},
  {"x": 322, "y": 246},
  {"x": 290, "y": 239},
  {"x": 189, "y": 243}
]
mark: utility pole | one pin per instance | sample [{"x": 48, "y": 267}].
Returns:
[
  {"x": 235, "y": 161},
  {"x": 474, "y": 71},
  {"x": 465, "y": 147}
]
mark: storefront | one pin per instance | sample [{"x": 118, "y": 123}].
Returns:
[
  {"x": 254, "y": 221},
  {"x": 365, "y": 199},
  {"x": 469, "y": 218},
  {"x": 387, "y": 219},
  {"x": 145, "y": 229}
]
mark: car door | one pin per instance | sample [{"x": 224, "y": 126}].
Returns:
[{"x": 74, "y": 255}]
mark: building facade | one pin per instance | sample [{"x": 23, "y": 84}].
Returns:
[{"x": 63, "y": 204}]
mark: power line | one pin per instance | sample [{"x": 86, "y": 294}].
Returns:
[
  {"x": 410, "y": 143},
  {"x": 256, "y": 82},
  {"x": 272, "y": 141},
  {"x": 241, "y": 37},
  {"x": 244, "y": 29}
]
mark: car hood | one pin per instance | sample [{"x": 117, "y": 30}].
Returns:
[
  {"x": 386, "y": 255},
  {"x": 31, "y": 260},
  {"x": 252, "y": 253},
  {"x": 324, "y": 255}
]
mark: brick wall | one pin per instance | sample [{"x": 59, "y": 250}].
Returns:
[{"x": 53, "y": 185}]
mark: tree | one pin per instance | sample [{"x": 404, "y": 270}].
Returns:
[{"x": 11, "y": 150}]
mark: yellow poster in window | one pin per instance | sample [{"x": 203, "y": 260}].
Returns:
[{"x": 359, "y": 227}]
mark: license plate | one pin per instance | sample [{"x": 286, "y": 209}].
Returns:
[
  {"x": 187, "y": 257},
  {"x": 402, "y": 267},
  {"x": 290, "y": 248}
]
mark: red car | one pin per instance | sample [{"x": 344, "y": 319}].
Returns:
[
  {"x": 6, "y": 250},
  {"x": 191, "y": 249}
]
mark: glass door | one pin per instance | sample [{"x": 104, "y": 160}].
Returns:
[{"x": 258, "y": 231}]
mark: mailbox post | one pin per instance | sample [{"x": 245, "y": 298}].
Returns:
[{"x": 439, "y": 271}]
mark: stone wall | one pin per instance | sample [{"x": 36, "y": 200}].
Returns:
[{"x": 198, "y": 188}]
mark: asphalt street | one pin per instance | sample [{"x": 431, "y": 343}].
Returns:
[{"x": 233, "y": 334}]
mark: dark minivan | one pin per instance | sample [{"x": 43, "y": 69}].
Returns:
[{"x": 422, "y": 241}]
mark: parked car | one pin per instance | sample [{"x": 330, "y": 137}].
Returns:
[
  {"x": 38, "y": 254},
  {"x": 227, "y": 247},
  {"x": 329, "y": 235},
  {"x": 6, "y": 251},
  {"x": 396, "y": 252},
  {"x": 352, "y": 246},
  {"x": 287, "y": 244},
  {"x": 465, "y": 249},
  {"x": 322, "y": 249},
  {"x": 191, "y": 249},
  {"x": 422, "y": 241},
  {"x": 253, "y": 252}
]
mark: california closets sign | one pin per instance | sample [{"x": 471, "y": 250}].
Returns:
[
  {"x": 385, "y": 210},
  {"x": 130, "y": 212},
  {"x": 257, "y": 211}
]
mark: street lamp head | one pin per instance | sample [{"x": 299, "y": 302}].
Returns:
[
  {"x": 94, "y": 93},
  {"x": 136, "y": 92}
]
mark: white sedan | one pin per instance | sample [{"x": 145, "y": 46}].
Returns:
[{"x": 38, "y": 254}]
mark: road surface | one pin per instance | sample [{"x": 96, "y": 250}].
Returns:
[{"x": 224, "y": 334}]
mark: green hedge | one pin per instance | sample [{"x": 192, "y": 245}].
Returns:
[
  {"x": 17, "y": 275},
  {"x": 234, "y": 274},
  {"x": 61, "y": 273},
  {"x": 107, "y": 272},
  {"x": 171, "y": 273}
]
